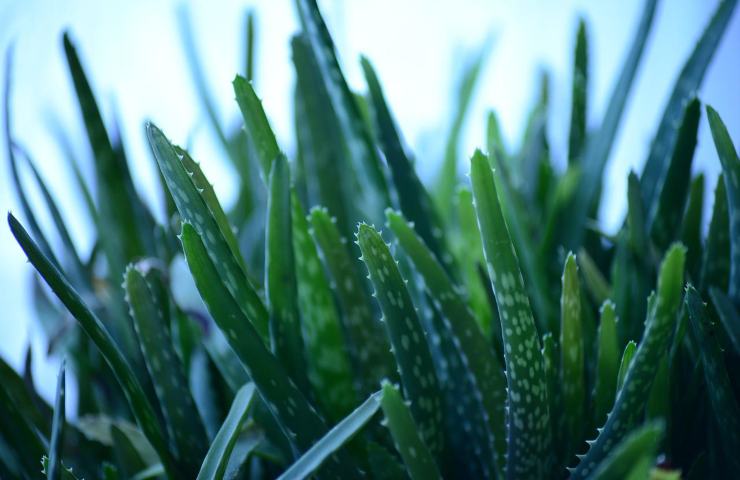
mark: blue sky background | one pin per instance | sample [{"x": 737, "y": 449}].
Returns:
[{"x": 131, "y": 51}]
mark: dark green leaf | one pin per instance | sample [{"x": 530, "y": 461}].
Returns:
[
  {"x": 728, "y": 316},
  {"x": 257, "y": 126},
  {"x": 55, "y": 467},
  {"x": 715, "y": 265},
  {"x": 579, "y": 95},
  {"x": 607, "y": 363},
  {"x": 641, "y": 443}
]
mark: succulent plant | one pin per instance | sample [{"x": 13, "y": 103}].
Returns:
[{"x": 473, "y": 329}]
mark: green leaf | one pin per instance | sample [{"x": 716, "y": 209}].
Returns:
[
  {"x": 54, "y": 467},
  {"x": 64, "y": 474},
  {"x": 595, "y": 282},
  {"x": 641, "y": 443},
  {"x": 329, "y": 366},
  {"x": 579, "y": 95},
  {"x": 632, "y": 397},
  {"x": 479, "y": 360},
  {"x": 554, "y": 396},
  {"x": 372, "y": 194},
  {"x": 282, "y": 397},
  {"x": 337, "y": 437},
  {"x": 688, "y": 82},
  {"x": 728, "y": 316},
  {"x": 319, "y": 141},
  {"x": 193, "y": 208},
  {"x": 448, "y": 178},
  {"x": 715, "y": 265},
  {"x": 257, "y": 126},
  {"x": 664, "y": 217},
  {"x": 249, "y": 45},
  {"x": 528, "y": 409},
  {"x": 624, "y": 364},
  {"x": 724, "y": 405},
  {"x": 414, "y": 200},
  {"x": 280, "y": 279},
  {"x": 572, "y": 364},
  {"x": 125, "y": 221},
  {"x": 407, "y": 337},
  {"x": 368, "y": 343},
  {"x": 731, "y": 170},
  {"x": 691, "y": 226},
  {"x": 149, "y": 309},
  {"x": 94, "y": 328},
  {"x": 406, "y": 435},
  {"x": 607, "y": 363},
  {"x": 217, "y": 458},
  {"x": 597, "y": 149}
]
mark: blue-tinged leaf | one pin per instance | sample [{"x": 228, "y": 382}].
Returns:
[
  {"x": 280, "y": 279},
  {"x": 722, "y": 398},
  {"x": 528, "y": 408},
  {"x": 597, "y": 148},
  {"x": 728, "y": 316},
  {"x": 414, "y": 200},
  {"x": 579, "y": 95},
  {"x": 55, "y": 467},
  {"x": 691, "y": 226},
  {"x": 632, "y": 396},
  {"x": 330, "y": 372},
  {"x": 284, "y": 400},
  {"x": 368, "y": 344},
  {"x": 731, "y": 170},
  {"x": 688, "y": 82},
  {"x": 217, "y": 458},
  {"x": 641, "y": 443},
  {"x": 338, "y": 436},
  {"x": 607, "y": 363},
  {"x": 480, "y": 362},
  {"x": 409, "y": 341},
  {"x": 94, "y": 328},
  {"x": 149, "y": 308},
  {"x": 406, "y": 436},
  {"x": 372, "y": 195},
  {"x": 194, "y": 208},
  {"x": 664, "y": 214},
  {"x": 715, "y": 264}
]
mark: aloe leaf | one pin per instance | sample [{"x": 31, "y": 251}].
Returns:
[
  {"x": 624, "y": 364},
  {"x": 595, "y": 282},
  {"x": 528, "y": 410},
  {"x": 217, "y": 458},
  {"x": 632, "y": 396},
  {"x": 688, "y": 82},
  {"x": 731, "y": 169},
  {"x": 597, "y": 148},
  {"x": 27, "y": 442},
  {"x": 607, "y": 363},
  {"x": 470, "y": 254},
  {"x": 372, "y": 192},
  {"x": 280, "y": 279},
  {"x": 320, "y": 142},
  {"x": 691, "y": 226},
  {"x": 481, "y": 365},
  {"x": 657, "y": 406},
  {"x": 664, "y": 216},
  {"x": 206, "y": 191},
  {"x": 369, "y": 347},
  {"x": 124, "y": 219},
  {"x": 572, "y": 364},
  {"x": 282, "y": 397},
  {"x": 579, "y": 95},
  {"x": 150, "y": 313},
  {"x": 554, "y": 396},
  {"x": 257, "y": 125},
  {"x": 715, "y": 265},
  {"x": 728, "y": 316},
  {"x": 54, "y": 468},
  {"x": 383, "y": 464},
  {"x": 641, "y": 443},
  {"x": 406, "y": 435},
  {"x": 406, "y": 335},
  {"x": 329, "y": 366},
  {"x": 249, "y": 45},
  {"x": 94, "y": 328},
  {"x": 64, "y": 473},
  {"x": 193, "y": 208},
  {"x": 724, "y": 405},
  {"x": 337, "y": 437},
  {"x": 414, "y": 200}
]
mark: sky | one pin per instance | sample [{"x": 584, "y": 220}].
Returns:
[{"x": 132, "y": 52}]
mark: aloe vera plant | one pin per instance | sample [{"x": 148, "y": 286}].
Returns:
[{"x": 483, "y": 329}]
